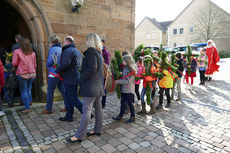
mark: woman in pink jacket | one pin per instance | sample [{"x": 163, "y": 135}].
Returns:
[{"x": 24, "y": 59}]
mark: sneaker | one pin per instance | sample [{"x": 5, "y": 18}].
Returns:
[
  {"x": 201, "y": 83},
  {"x": 26, "y": 111},
  {"x": 132, "y": 119},
  {"x": 187, "y": 87},
  {"x": 178, "y": 99},
  {"x": 159, "y": 106},
  {"x": 167, "y": 105},
  {"x": 2, "y": 113},
  {"x": 65, "y": 119},
  {"x": 139, "y": 102}
]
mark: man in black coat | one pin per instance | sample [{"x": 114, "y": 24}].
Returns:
[{"x": 70, "y": 69}]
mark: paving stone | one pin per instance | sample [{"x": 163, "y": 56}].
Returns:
[
  {"x": 133, "y": 146},
  {"x": 94, "y": 149},
  {"x": 121, "y": 130},
  {"x": 122, "y": 147},
  {"x": 108, "y": 148},
  {"x": 144, "y": 144},
  {"x": 59, "y": 145},
  {"x": 125, "y": 140},
  {"x": 87, "y": 144}
]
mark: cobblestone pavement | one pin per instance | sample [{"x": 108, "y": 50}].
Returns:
[{"x": 200, "y": 123}]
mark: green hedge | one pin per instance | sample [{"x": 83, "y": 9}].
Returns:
[{"x": 224, "y": 54}]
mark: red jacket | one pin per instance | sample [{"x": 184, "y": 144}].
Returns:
[{"x": 1, "y": 76}]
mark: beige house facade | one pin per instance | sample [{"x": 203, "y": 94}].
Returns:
[
  {"x": 184, "y": 29},
  {"x": 151, "y": 33}
]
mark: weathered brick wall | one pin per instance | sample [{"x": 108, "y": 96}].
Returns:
[{"x": 112, "y": 19}]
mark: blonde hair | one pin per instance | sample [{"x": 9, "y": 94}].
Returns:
[
  {"x": 130, "y": 63},
  {"x": 94, "y": 41},
  {"x": 69, "y": 39},
  {"x": 54, "y": 39}
]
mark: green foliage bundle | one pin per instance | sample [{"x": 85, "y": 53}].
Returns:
[
  {"x": 188, "y": 56},
  {"x": 140, "y": 51},
  {"x": 148, "y": 66},
  {"x": 119, "y": 59},
  {"x": 224, "y": 54}
]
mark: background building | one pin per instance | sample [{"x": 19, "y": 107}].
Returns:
[
  {"x": 184, "y": 29},
  {"x": 39, "y": 19},
  {"x": 151, "y": 33}
]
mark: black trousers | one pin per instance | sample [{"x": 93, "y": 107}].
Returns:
[
  {"x": 167, "y": 93},
  {"x": 202, "y": 76},
  {"x": 127, "y": 98},
  {"x": 137, "y": 91}
]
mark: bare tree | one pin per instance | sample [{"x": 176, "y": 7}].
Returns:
[{"x": 210, "y": 21}]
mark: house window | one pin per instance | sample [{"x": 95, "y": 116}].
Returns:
[
  {"x": 174, "y": 31},
  {"x": 181, "y": 31},
  {"x": 154, "y": 35},
  {"x": 191, "y": 30},
  {"x": 174, "y": 44},
  {"x": 147, "y": 36}
]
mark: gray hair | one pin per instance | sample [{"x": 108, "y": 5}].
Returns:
[
  {"x": 94, "y": 41},
  {"x": 54, "y": 39}
]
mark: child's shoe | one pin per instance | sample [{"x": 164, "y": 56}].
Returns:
[
  {"x": 143, "y": 109},
  {"x": 139, "y": 102},
  {"x": 159, "y": 106},
  {"x": 191, "y": 87},
  {"x": 118, "y": 118},
  {"x": 130, "y": 120},
  {"x": 187, "y": 87},
  {"x": 167, "y": 105},
  {"x": 2, "y": 113}
]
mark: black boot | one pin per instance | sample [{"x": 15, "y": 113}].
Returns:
[
  {"x": 167, "y": 105},
  {"x": 143, "y": 109},
  {"x": 159, "y": 106},
  {"x": 118, "y": 118}
]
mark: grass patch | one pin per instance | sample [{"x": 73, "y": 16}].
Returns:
[{"x": 224, "y": 54}]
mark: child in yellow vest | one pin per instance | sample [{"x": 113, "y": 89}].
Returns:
[{"x": 165, "y": 84}]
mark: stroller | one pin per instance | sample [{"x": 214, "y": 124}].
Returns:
[{"x": 10, "y": 85}]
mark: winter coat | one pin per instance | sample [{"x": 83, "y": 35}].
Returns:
[
  {"x": 139, "y": 71},
  {"x": 55, "y": 50},
  {"x": 1, "y": 76},
  {"x": 167, "y": 80},
  {"x": 70, "y": 64},
  {"x": 180, "y": 70},
  {"x": 128, "y": 83},
  {"x": 193, "y": 65},
  {"x": 106, "y": 55},
  {"x": 92, "y": 80}
]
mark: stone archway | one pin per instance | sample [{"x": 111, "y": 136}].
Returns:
[{"x": 40, "y": 29}]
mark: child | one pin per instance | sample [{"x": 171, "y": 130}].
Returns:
[
  {"x": 192, "y": 67},
  {"x": 1, "y": 85},
  {"x": 137, "y": 82},
  {"x": 165, "y": 84},
  {"x": 147, "y": 79},
  {"x": 179, "y": 73},
  {"x": 128, "y": 87},
  {"x": 202, "y": 64}
]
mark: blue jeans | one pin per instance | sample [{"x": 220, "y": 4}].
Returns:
[
  {"x": 52, "y": 83},
  {"x": 143, "y": 92},
  {"x": 71, "y": 100},
  {"x": 25, "y": 86}
]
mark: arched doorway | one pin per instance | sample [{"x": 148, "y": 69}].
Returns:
[{"x": 29, "y": 19}]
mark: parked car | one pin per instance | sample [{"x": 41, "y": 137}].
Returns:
[{"x": 152, "y": 48}]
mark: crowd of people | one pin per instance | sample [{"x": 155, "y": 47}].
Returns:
[{"x": 86, "y": 75}]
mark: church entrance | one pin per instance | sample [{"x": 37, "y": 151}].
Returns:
[{"x": 26, "y": 18}]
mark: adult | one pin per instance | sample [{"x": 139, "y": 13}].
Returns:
[
  {"x": 24, "y": 59},
  {"x": 16, "y": 45},
  {"x": 106, "y": 57},
  {"x": 1, "y": 85},
  {"x": 213, "y": 59},
  {"x": 54, "y": 79},
  {"x": 69, "y": 68},
  {"x": 91, "y": 87}
]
